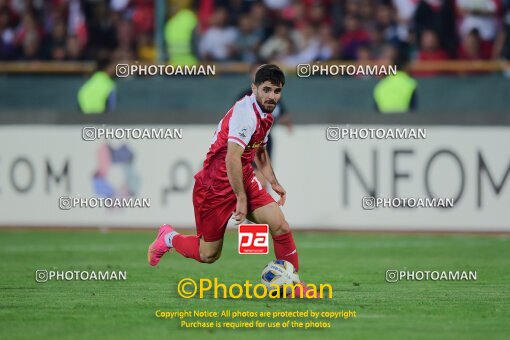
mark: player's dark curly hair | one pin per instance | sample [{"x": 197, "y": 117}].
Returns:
[{"x": 271, "y": 73}]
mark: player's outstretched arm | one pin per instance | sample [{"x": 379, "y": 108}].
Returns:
[
  {"x": 235, "y": 177},
  {"x": 264, "y": 164}
]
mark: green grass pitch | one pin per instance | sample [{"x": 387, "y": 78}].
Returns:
[{"x": 355, "y": 264}]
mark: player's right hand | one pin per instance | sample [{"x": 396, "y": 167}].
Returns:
[
  {"x": 280, "y": 191},
  {"x": 241, "y": 210}
]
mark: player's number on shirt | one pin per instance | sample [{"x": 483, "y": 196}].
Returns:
[{"x": 255, "y": 179}]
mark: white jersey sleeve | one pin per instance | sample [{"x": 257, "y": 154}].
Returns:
[{"x": 242, "y": 124}]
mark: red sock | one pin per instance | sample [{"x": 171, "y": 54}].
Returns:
[
  {"x": 285, "y": 249},
  {"x": 187, "y": 246}
]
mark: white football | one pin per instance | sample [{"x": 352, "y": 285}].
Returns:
[{"x": 277, "y": 273}]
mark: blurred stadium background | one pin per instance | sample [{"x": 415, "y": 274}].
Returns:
[{"x": 458, "y": 51}]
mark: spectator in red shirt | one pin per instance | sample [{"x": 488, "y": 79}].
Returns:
[
  {"x": 430, "y": 50},
  {"x": 439, "y": 16},
  {"x": 470, "y": 48}
]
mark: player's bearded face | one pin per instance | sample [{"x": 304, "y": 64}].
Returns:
[{"x": 267, "y": 95}]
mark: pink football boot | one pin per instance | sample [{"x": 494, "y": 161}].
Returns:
[{"x": 158, "y": 248}]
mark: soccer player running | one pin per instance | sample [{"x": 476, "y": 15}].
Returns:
[{"x": 227, "y": 183}]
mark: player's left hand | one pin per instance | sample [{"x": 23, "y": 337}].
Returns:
[{"x": 280, "y": 191}]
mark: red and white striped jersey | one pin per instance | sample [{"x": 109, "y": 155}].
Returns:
[{"x": 245, "y": 124}]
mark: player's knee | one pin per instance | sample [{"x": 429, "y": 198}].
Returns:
[
  {"x": 207, "y": 259},
  {"x": 210, "y": 257},
  {"x": 281, "y": 227}
]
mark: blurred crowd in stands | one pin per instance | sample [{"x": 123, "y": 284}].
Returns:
[{"x": 285, "y": 31}]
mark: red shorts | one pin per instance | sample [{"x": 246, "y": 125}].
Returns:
[{"x": 213, "y": 209}]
